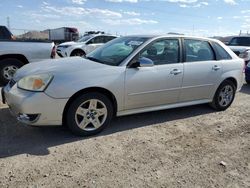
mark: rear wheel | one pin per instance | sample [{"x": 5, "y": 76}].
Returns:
[
  {"x": 8, "y": 68},
  {"x": 224, "y": 96},
  {"x": 78, "y": 53},
  {"x": 89, "y": 114}
]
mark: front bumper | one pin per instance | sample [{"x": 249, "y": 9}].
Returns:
[
  {"x": 61, "y": 52},
  {"x": 47, "y": 110}
]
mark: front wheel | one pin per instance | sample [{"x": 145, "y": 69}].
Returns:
[
  {"x": 224, "y": 96},
  {"x": 8, "y": 68},
  {"x": 89, "y": 114},
  {"x": 78, "y": 53}
]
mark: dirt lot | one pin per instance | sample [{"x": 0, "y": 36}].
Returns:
[{"x": 173, "y": 148}]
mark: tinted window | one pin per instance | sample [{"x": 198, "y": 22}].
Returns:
[
  {"x": 240, "y": 41},
  {"x": 161, "y": 52},
  {"x": 197, "y": 50},
  {"x": 221, "y": 53},
  {"x": 98, "y": 39},
  {"x": 108, "y": 38}
]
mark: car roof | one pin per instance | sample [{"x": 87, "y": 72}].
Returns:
[{"x": 172, "y": 36}]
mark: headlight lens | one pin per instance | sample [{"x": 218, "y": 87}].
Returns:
[
  {"x": 64, "y": 46},
  {"x": 35, "y": 82}
]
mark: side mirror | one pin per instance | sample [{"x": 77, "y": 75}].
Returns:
[{"x": 145, "y": 62}]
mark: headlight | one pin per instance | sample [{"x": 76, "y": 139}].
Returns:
[
  {"x": 65, "y": 46},
  {"x": 35, "y": 82}
]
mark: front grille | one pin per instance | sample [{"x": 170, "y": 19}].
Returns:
[
  {"x": 12, "y": 83},
  {"x": 237, "y": 53}
]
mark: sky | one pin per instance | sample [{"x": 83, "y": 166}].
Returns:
[{"x": 124, "y": 17}]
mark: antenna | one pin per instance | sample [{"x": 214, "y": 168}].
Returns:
[{"x": 8, "y": 22}]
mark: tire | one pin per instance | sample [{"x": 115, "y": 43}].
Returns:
[
  {"x": 8, "y": 67},
  {"x": 224, "y": 96},
  {"x": 84, "y": 118},
  {"x": 80, "y": 53}
]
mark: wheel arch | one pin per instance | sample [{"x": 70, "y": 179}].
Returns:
[
  {"x": 233, "y": 80},
  {"x": 77, "y": 49},
  {"x": 19, "y": 57},
  {"x": 101, "y": 90}
]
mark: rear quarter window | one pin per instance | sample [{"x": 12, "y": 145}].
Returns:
[{"x": 221, "y": 53}]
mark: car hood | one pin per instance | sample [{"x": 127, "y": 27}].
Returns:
[
  {"x": 240, "y": 49},
  {"x": 71, "y": 43},
  {"x": 67, "y": 43},
  {"x": 59, "y": 66}
]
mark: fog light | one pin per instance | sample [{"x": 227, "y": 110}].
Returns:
[{"x": 27, "y": 118}]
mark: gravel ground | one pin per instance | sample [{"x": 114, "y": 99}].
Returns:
[{"x": 185, "y": 147}]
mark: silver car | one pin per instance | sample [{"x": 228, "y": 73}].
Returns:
[{"x": 128, "y": 75}]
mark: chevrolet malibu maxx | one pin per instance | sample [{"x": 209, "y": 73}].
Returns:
[{"x": 128, "y": 75}]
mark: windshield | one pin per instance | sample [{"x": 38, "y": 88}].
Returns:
[
  {"x": 240, "y": 41},
  {"x": 85, "y": 38},
  {"x": 115, "y": 51}
]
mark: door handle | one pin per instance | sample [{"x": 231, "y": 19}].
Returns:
[
  {"x": 175, "y": 71},
  {"x": 216, "y": 67}
]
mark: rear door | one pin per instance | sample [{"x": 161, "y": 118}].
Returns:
[{"x": 201, "y": 70}]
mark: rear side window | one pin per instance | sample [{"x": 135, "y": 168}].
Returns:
[
  {"x": 221, "y": 53},
  {"x": 198, "y": 50},
  {"x": 98, "y": 39}
]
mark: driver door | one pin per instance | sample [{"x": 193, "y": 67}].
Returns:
[{"x": 159, "y": 84}]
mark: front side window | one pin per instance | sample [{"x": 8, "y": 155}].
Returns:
[
  {"x": 165, "y": 51},
  {"x": 198, "y": 50},
  {"x": 114, "y": 52}
]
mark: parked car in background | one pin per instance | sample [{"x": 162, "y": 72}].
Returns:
[
  {"x": 83, "y": 46},
  {"x": 128, "y": 75},
  {"x": 14, "y": 54},
  {"x": 241, "y": 47}
]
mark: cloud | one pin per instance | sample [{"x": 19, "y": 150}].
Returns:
[
  {"x": 79, "y": 11},
  {"x": 245, "y": 11},
  {"x": 132, "y": 21},
  {"x": 194, "y": 5},
  {"x": 79, "y": 2},
  {"x": 20, "y": 6},
  {"x": 231, "y": 2},
  {"x": 131, "y": 13},
  {"x": 121, "y": 1}
]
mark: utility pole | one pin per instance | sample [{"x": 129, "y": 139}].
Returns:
[{"x": 8, "y": 22}]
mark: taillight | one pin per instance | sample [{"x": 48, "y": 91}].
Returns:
[
  {"x": 244, "y": 68},
  {"x": 53, "y": 52}
]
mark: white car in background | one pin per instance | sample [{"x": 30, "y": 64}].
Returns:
[{"x": 83, "y": 46}]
